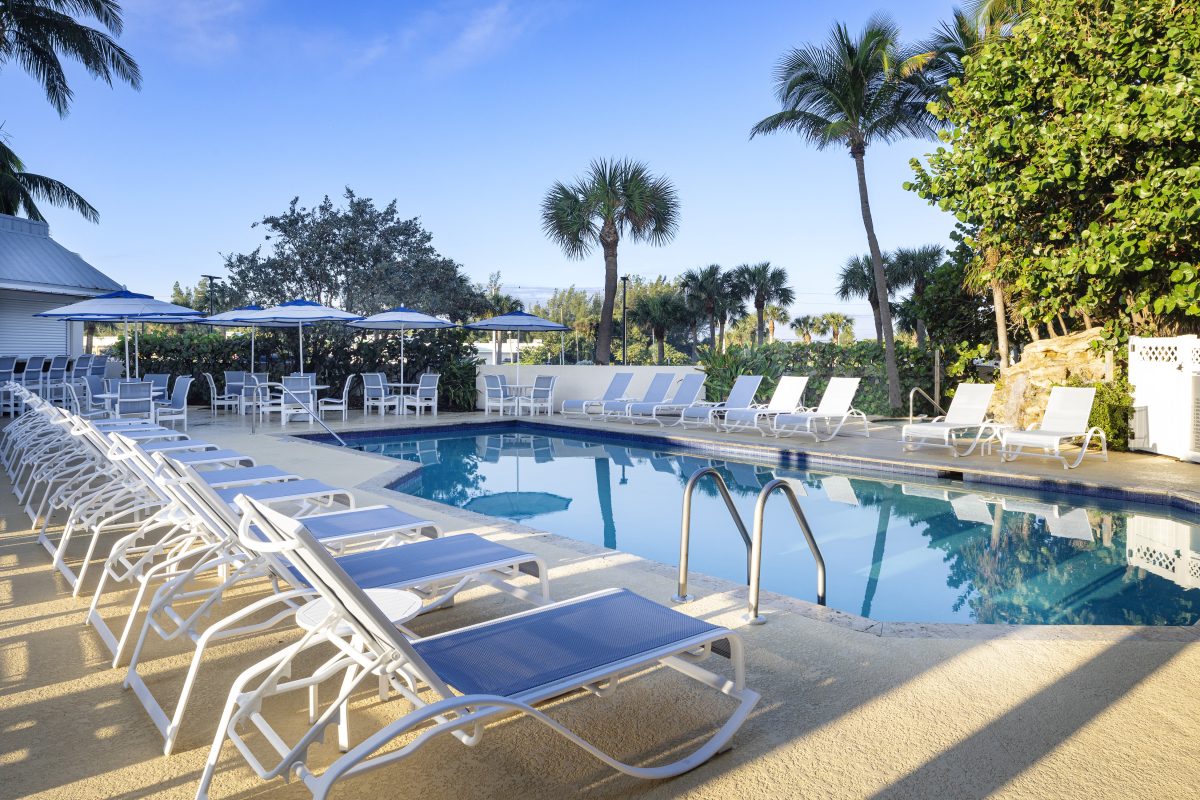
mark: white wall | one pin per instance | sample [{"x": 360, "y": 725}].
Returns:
[
  {"x": 23, "y": 334},
  {"x": 577, "y": 382}
]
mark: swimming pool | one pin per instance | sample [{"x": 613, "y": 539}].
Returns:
[{"x": 896, "y": 549}]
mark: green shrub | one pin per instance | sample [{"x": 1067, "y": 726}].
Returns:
[{"x": 1110, "y": 412}]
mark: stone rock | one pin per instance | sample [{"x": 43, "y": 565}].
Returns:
[{"x": 1023, "y": 388}]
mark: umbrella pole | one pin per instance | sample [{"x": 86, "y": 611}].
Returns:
[
  {"x": 300, "y": 334},
  {"x": 127, "y": 375},
  {"x": 137, "y": 349},
  {"x": 402, "y": 358},
  {"x": 253, "y": 330}
]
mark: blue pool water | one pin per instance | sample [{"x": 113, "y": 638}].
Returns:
[{"x": 896, "y": 549}]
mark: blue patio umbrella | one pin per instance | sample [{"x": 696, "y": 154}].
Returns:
[
  {"x": 234, "y": 319},
  {"x": 401, "y": 319},
  {"x": 123, "y": 306},
  {"x": 297, "y": 312},
  {"x": 517, "y": 505},
  {"x": 518, "y": 321}
]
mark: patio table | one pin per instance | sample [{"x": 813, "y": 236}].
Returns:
[{"x": 400, "y": 409}]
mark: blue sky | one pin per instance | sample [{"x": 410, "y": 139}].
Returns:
[{"x": 465, "y": 111}]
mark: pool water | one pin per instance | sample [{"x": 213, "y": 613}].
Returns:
[{"x": 895, "y": 549}]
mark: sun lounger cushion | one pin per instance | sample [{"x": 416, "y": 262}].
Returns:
[
  {"x": 263, "y": 472},
  {"x": 513, "y": 655},
  {"x": 360, "y": 522},
  {"x": 275, "y": 491}
]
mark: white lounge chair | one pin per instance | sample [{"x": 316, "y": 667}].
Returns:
[
  {"x": 337, "y": 403},
  {"x": 832, "y": 412},
  {"x": 967, "y": 412},
  {"x": 458, "y": 682},
  {"x": 686, "y": 395},
  {"x": 1065, "y": 422},
  {"x": 615, "y": 391},
  {"x": 786, "y": 398},
  {"x": 741, "y": 396},
  {"x": 656, "y": 392}
]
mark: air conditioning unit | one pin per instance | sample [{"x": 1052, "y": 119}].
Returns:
[{"x": 1165, "y": 373}]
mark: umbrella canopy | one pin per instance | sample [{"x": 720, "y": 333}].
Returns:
[
  {"x": 235, "y": 318},
  {"x": 297, "y": 312},
  {"x": 123, "y": 306},
  {"x": 517, "y": 505},
  {"x": 401, "y": 319},
  {"x": 518, "y": 321}
]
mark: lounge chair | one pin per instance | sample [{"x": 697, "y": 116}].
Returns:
[
  {"x": 1065, "y": 422},
  {"x": 833, "y": 411},
  {"x": 786, "y": 398},
  {"x": 686, "y": 395},
  {"x": 968, "y": 412},
  {"x": 458, "y": 682},
  {"x": 741, "y": 397},
  {"x": 615, "y": 391},
  {"x": 656, "y": 392}
]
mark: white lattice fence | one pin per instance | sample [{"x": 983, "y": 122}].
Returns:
[{"x": 1165, "y": 373}]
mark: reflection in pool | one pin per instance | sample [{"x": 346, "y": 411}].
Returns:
[{"x": 926, "y": 550}]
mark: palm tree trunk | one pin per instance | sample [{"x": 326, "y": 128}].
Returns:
[
  {"x": 661, "y": 340},
  {"x": 878, "y": 321},
  {"x": 712, "y": 330},
  {"x": 604, "y": 497},
  {"x": 881, "y": 287},
  {"x": 608, "y": 238},
  {"x": 992, "y": 257},
  {"x": 1062, "y": 324},
  {"x": 722, "y": 336},
  {"x": 1034, "y": 333},
  {"x": 760, "y": 309},
  {"x": 921, "y": 335},
  {"x": 881, "y": 530},
  {"x": 836, "y": 333}
]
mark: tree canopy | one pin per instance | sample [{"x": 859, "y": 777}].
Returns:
[{"x": 1072, "y": 153}]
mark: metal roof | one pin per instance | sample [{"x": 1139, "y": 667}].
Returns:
[{"x": 30, "y": 260}]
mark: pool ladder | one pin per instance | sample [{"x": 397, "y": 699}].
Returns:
[{"x": 753, "y": 540}]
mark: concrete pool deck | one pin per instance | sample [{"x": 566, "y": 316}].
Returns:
[{"x": 844, "y": 715}]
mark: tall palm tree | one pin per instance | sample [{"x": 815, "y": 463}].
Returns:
[
  {"x": 500, "y": 303},
  {"x": 837, "y": 323},
  {"x": 38, "y": 34},
  {"x": 659, "y": 312},
  {"x": 852, "y": 92},
  {"x": 614, "y": 199},
  {"x": 856, "y": 279},
  {"x": 775, "y": 315},
  {"x": 732, "y": 307},
  {"x": 20, "y": 191},
  {"x": 912, "y": 267},
  {"x": 762, "y": 284},
  {"x": 704, "y": 288},
  {"x": 805, "y": 327}
]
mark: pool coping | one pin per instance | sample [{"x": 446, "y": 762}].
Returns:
[{"x": 772, "y": 602}]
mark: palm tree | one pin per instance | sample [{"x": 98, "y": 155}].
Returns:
[
  {"x": 36, "y": 34},
  {"x": 837, "y": 323},
  {"x": 659, "y": 312},
  {"x": 857, "y": 280},
  {"x": 614, "y": 199},
  {"x": 775, "y": 315},
  {"x": 853, "y": 92},
  {"x": 762, "y": 284},
  {"x": 704, "y": 289},
  {"x": 805, "y": 326},
  {"x": 499, "y": 303},
  {"x": 20, "y": 191},
  {"x": 913, "y": 266},
  {"x": 732, "y": 306}
]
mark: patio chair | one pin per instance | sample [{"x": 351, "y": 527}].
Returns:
[
  {"x": 426, "y": 396},
  {"x": 296, "y": 399},
  {"x": 616, "y": 390},
  {"x": 540, "y": 397},
  {"x": 967, "y": 412},
  {"x": 655, "y": 393},
  {"x": 82, "y": 367},
  {"x": 832, "y": 412},
  {"x": 31, "y": 377},
  {"x": 687, "y": 393},
  {"x": 234, "y": 381},
  {"x": 1064, "y": 422},
  {"x": 160, "y": 380},
  {"x": 787, "y": 397},
  {"x": 8, "y": 397},
  {"x": 216, "y": 400},
  {"x": 53, "y": 384},
  {"x": 176, "y": 408},
  {"x": 341, "y": 404},
  {"x": 255, "y": 392},
  {"x": 377, "y": 395},
  {"x": 470, "y": 676},
  {"x": 741, "y": 396},
  {"x": 135, "y": 399},
  {"x": 99, "y": 366},
  {"x": 496, "y": 396}
]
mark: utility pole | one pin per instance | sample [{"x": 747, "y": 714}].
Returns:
[
  {"x": 211, "y": 283},
  {"x": 624, "y": 321}
]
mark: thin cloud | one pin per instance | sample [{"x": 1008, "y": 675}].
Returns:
[{"x": 206, "y": 30}]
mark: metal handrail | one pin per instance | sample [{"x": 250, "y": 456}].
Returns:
[
  {"x": 685, "y": 524},
  {"x": 311, "y": 412},
  {"x": 918, "y": 390},
  {"x": 779, "y": 484}
]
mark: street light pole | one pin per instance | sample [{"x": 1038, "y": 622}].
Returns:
[
  {"x": 624, "y": 321},
  {"x": 212, "y": 279}
]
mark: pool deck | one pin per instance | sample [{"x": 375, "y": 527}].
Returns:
[{"x": 850, "y": 710}]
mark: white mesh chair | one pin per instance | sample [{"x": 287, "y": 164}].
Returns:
[
  {"x": 687, "y": 394},
  {"x": 496, "y": 396},
  {"x": 834, "y": 410},
  {"x": 540, "y": 397},
  {"x": 1064, "y": 423},
  {"x": 426, "y": 396},
  {"x": 218, "y": 401},
  {"x": 458, "y": 682},
  {"x": 615, "y": 391},
  {"x": 967, "y": 412},
  {"x": 341, "y": 404},
  {"x": 376, "y": 394},
  {"x": 656, "y": 392},
  {"x": 787, "y": 397},
  {"x": 135, "y": 399},
  {"x": 741, "y": 396},
  {"x": 176, "y": 408}
]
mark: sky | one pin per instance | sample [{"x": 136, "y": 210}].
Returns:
[{"x": 465, "y": 112}]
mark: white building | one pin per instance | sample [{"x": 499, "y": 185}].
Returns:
[{"x": 38, "y": 274}]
